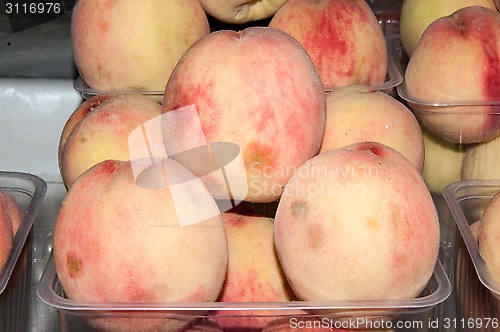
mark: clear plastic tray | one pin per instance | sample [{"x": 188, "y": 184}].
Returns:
[
  {"x": 28, "y": 191},
  {"x": 449, "y": 119},
  {"x": 395, "y": 311},
  {"x": 394, "y": 77},
  {"x": 15, "y": 280},
  {"x": 467, "y": 200}
]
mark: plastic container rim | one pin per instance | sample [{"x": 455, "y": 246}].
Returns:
[
  {"x": 46, "y": 292},
  {"x": 453, "y": 202}
]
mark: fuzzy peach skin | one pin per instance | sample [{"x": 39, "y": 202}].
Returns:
[
  {"x": 357, "y": 113},
  {"x": 458, "y": 60},
  {"x": 103, "y": 133},
  {"x": 362, "y": 218},
  {"x": 133, "y": 45},
  {"x": 489, "y": 232},
  {"x": 85, "y": 107},
  {"x": 342, "y": 37},
  {"x": 241, "y": 11},
  {"x": 254, "y": 272},
  {"x": 15, "y": 211},
  {"x": 416, "y": 15},
  {"x": 6, "y": 238},
  {"x": 256, "y": 88},
  {"x": 117, "y": 241}
]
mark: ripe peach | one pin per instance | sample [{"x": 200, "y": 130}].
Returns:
[
  {"x": 241, "y": 11},
  {"x": 86, "y": 107},
  {"x": 103, "y": 132},
  {"x": 342, "y": 37},
  {"x": 358, "y": 113},
  {"x": 258, "y": 89},
  {"x": 362, "y": 218},
  {"x": 15, "y": 212},
  {"x": 417, "y": 15},
  {"x": 134, "y": 247},
  {"x": 5, "y": 233},
  {"x": 489, "y": 231},
  {"x": 129, "y": 45},
  {"x": 254, "y": 273},
  {"x": 457, "y": 61}
]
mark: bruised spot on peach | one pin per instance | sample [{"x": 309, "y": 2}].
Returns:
[
  {"x": 314, "y": 237},
  {"x": 74, "y": 265},
  {"x": 373, "y": 224},
  {"x": 259, "y": 155},
  {"x": 299, "y": 208}
]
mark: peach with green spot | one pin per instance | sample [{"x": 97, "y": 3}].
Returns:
[{"x": 367, "y": 235}]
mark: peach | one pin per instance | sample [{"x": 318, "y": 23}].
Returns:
[
  {"x": 254, "y": 273},
  {"x": 241, "y": 11},
  {"x": 362, "y": 218},
  {"x": 342, "y": 37},
  {"x": 6, "y": 239},
  {"x": 416, "y": 15},
  {"x": 489, "y": 231},
  {"x": 258, "y": 89},
  {"x": 118, "y": 240},
  {"x": 102, "y": 132},
  {"x": 457, "y": 63},
  {"x": 482, "y": 161},
  {"x": 443, "y": 162},
  {"x": 85, "y": 107},
  {"x": 15, "y": 212},
  {"x": 358, "y": 113},
  {"x": 129, "y": 45}
]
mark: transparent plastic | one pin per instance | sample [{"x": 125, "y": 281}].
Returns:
[
  {"x": 455, "y": 121},
  {"x": 15, "y": 280},
  {"x": 467, "y": 199},
  {"x": 28, "y": 191},
  {"x": 80, "y": 315}
]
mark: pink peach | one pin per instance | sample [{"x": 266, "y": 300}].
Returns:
[
  {"x": 362, "y": 218},
  {"x": 258, "y": 89},
  {"x": 118, "y": 241},
  {"x": 342, "y": 37},
  {"x": 254, "y": 272}
]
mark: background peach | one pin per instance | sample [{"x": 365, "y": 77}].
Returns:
[
  {"x": 357, "y": 113},
  {"x": 103, "y": 133},
  {"x": 241, "y": 11},
  {"x": 416, "y": 15},
  {"x": 128, "y": 45},
  {"x": 342, "y": 37},
  {"x": 455, "y": 62},
  {"x": 489, "y": 230},
  {"x": 254, "y": 272}
]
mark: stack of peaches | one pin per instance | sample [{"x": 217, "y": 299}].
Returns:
[{"x": 272, "y": 169}]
